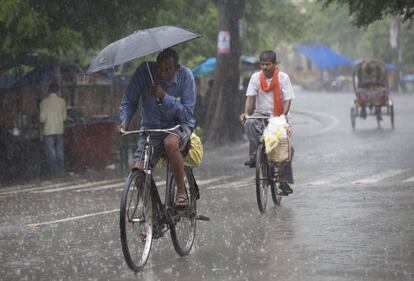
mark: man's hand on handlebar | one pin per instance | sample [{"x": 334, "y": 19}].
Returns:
[{"x": 242, "y": 117}]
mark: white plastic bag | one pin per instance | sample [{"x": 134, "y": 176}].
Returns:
[{"x": 276, "y": 140}]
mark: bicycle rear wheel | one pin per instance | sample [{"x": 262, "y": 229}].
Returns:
[
  {"x": 183, "y": 219},
  {"x": 262, "y": 177},
  {"x": 136, "y": 221}
]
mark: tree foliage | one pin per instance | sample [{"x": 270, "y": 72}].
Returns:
[
  {"x": 270, "y": 23},
  {"x": 68, "y": 27},
  {"x": 198, "y": 16},
  {"x": 367, "y": 12}
]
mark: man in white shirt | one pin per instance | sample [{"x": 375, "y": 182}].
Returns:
[
  {"x": 269, "y": 93},
  {"x": 52, "y": 117}
]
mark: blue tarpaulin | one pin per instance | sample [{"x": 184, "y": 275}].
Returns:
[
  {"x": 323, "y": 57},
  {"x": 205, "y": 67},
  {"x": 209, "y": 65}
]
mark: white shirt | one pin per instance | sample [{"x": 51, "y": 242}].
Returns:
[{"x": 264, "y": 100}]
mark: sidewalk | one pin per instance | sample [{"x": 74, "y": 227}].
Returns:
[{"x": 85, "y": 176}]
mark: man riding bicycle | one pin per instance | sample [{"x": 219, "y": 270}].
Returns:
[
  {"x": 167, "y": 101},
  {"x": 270, "y": 92}
]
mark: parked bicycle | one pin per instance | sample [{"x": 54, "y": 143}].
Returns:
[
  {"x": 267, "y": 175},
  {"x": 143, "y": 215}
]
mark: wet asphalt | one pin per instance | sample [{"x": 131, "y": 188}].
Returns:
[{"x": 351, "y": 216}]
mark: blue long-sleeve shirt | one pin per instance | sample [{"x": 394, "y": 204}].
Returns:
[{"x": 177, "y": 106}]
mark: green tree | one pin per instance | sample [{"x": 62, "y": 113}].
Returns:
[
  {"x": 270, "y": 23},
  {"x": 68, "y": 28},
  {"x": 198, "y": 16},
  {"x": 366, "y": 12}
]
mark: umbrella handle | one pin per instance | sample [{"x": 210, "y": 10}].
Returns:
[
  {"x": 159, "y": 101},
  {"x": 150, "y": 74}
]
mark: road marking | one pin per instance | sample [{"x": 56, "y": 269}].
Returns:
[
  {"x": 159, "y": 184},
  {"x": 409, "y": 180},
  {"x": 78, "y": 186},
  {"x": 333, "y": 121},
  {"x": 103, "y": 187},
  {"x": 234, "y": 184},
  {"x": 72, "y": 218},
  {"x": 211, "y": 180},
  {"x": 26, "y": 189},
  {"x": 319, "y": 182},
  {"x": 381, "y": 176}
]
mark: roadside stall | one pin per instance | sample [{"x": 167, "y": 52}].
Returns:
[{"x": 89, "y": 129}]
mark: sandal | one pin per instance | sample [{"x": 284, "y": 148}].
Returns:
[{"x": 181, "y": 201}]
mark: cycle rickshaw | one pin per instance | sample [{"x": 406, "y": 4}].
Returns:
[{"x": 370, "y": 83}]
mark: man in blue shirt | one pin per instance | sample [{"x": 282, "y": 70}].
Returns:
[{"x": 167, "y": 101}]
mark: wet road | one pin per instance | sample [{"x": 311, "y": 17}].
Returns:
[{"x": 351, "y": 216}]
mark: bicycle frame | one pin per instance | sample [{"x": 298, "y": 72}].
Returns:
[
  {"x": 180, "y": 221},
  {"x": 162, "y": 211},
  {"x": 266, "y": 174}
]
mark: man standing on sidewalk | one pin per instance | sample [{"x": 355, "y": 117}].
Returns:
[{"x": 52, "y": 118}]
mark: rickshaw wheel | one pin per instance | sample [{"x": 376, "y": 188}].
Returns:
[
  {"x": 353, "y": 116},
  {"x": 378, "y": 115}
]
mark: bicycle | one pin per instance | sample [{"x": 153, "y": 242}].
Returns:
[
  {"x": 266, "y": 174},
  {"x": 143, "y": 216}
]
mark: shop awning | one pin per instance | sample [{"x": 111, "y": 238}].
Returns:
[
  {"x": 209, "y": 65},
  {"x": 323, "y": 57}
]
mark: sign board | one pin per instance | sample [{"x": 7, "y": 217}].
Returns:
[{"x": 223, "y": 42}]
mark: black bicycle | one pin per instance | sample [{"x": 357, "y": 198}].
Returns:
[
  {"x": 144, "y": 217},
  {"x": 266, "y": 174}
]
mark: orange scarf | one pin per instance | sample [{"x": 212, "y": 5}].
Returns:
[{"x": 274, "y": 85}]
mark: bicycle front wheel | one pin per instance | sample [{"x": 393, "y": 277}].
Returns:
[
  {"x": 136, "y": 221},
  {"x": 262, "y": 177},
  {"x": 274, "y": 189},
  {"x": 183, "y": 219}
]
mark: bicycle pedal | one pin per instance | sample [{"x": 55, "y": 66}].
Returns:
[
  {"x": 159, "y": 231},
  {"x": 202, "y": 218},
  {"x": 282, "y": 194},
  {"x": 158, "y": 235}
]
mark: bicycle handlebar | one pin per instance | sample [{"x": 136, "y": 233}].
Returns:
[
  {"x": 258, "y": 117},
  {"x": 170, "y": 130}
]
